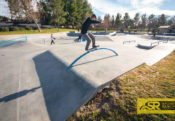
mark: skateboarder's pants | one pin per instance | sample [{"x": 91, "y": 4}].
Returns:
[
  {"x": 89, "y": 37},
  {"x": 52, "y": 42}
]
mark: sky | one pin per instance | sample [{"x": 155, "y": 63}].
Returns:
[
  {"x": 112, "y": 7},
  {"x": 4, "y": 11}
]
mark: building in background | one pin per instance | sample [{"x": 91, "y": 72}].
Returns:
[{"x": 164, "y": 29}]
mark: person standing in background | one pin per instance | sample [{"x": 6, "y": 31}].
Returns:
[{"x": 52, "y": 39}]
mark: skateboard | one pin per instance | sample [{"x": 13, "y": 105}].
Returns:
[{"x": 94, "y": 48}]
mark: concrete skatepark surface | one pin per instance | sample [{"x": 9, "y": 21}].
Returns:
[{"x": 34, "y": 82}]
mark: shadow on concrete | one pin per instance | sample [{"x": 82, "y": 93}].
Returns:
[
  {"x": 73, "y": 34},
  {"x": 18, "y": 95},
  {"x": 101, "y": 33},
  {"x": 145, "y": 47},
  {"x": 95, "y": 60},
  {"x": 64, "y": 90}
]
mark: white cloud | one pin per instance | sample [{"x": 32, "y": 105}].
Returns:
[
  {"x": 134, "y": 6},
  {"x": 107, "y": 7},
  {"x": 147, "y": 2}
]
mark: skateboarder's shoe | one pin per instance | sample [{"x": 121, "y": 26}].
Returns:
[
  {"x": 95, "y": 47},
  {"x": 87, "y": 50}
]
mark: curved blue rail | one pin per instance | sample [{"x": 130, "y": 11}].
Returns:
[{"x": 71, "y": 65}]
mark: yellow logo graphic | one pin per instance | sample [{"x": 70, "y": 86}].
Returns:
[{"x": 155, "y": 106}]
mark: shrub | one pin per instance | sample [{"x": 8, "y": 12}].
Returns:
[
  {"x": 35, "y": 28},
  {"x": 28, "y": 28},
  {"x": 4, "y": 29},
  {"x": 14, "y": 29},
  {"x": 22, "y": 29}
]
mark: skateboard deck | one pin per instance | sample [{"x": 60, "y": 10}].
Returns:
[{"x": 94, "y": 48}]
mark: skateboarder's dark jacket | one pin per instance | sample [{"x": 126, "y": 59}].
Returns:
[{"x": 86, "y": 25}]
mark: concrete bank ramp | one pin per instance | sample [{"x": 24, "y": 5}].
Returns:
[
  {"x": 35, "y": 85},
  {"x": 61, "y": 91}
]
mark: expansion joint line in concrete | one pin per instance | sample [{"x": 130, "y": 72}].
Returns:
[{"x": 73, "y": 63}]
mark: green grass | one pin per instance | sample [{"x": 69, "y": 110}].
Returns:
[
  {"x": 118, "y": 101},
  {"x": 55, "y": 30},
  {"x": 43, "y": 31}
]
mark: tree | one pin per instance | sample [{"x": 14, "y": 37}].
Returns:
[
  {"x": 14, "y": 7},
  {"x": 87, "y": 10},
  {"x": 173, "y": 20},
  {"x": 99, "y": 26},
  {"x": 107, "y": 21},
  {"x": 126, "y": 19},
  {"x": 151, "y": 19},
  {"x": 57, "y": 12},
  {"x": 79, "y": 17},
  {"x": 118, "y": 21},
  {"x": 152, "y": 22},
  {"x": 99, "y": 19},
  {"x": 112, "y": 22},
  {"x": 144, "y": 21},
  {"x": 78, "y": 11},
  {"x": 162, "y": 20},
  {"x": 28, "y": 7},
  {"x": 3, "y": 19},
  {"x": 73, "y": 13},
  {"x": 25, "y": 9},
  {"x": 136, "y": 19},
  {"x": 45, "y": 11}
]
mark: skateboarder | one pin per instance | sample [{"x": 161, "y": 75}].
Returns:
[
  {"x": 52, "y": 39},
  {"x": 87, "y": 35},
  {"x": 154, "y": 32}
]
